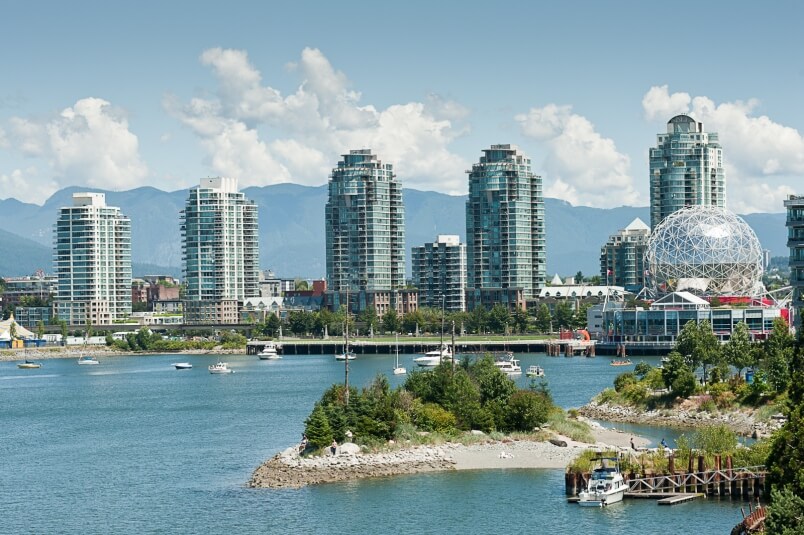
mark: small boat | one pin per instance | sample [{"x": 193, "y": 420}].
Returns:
[
  {"x": 220, "y": 368},
  {"x": 87, "y": 359},
  {"x": 535, "y": 371},
  {"x": 398, "y": 370},
  {"x": 347, "y": 355},
  {"x": 509, "y": 367},
  {"x": 626, "y": 362},
  {"x": 434, "y": 357},
  {"x": 606, "y": 485},
  {"x": 29, "y": 365},
  {"x": 269, "y": 352},
  {"x": 183, "y": 365}
]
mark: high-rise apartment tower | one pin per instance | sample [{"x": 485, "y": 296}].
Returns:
[
  {"x": 365, "y": 226},
  {"x": 439, "y": 272},
  {"x": 220, "y": 251},
  {"x": 505, "y": 243},
  {"x": 92, "y": 257},
  {"x": 686, "y": 169}
]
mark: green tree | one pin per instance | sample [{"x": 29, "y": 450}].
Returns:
[
  {"x": 478, "y": 319},
  {"x": 520, "y": 320},
  {"x": 579, "y": 317},
  {"x": 527, "y": 409},
  {"x": 390, "y": 321},
  {"x": 499, "y": 319},
  {"x": 778, "y": 355},
  {"x": 543, "y": 319},
  {"x": 317, "y": 428},
  {"x": 786, "y": 458},
  {"x": 786, "y": 513},
  {"x": 738, "y": 351},
  {"x": 708, "y": 349},
  {"x": 684, "y": 384},
  {"x": 579, "y": 278},
  {"x": 564, "y": 315},
  {"x": 642, "y": 369},
  {"x": 673, "y": 367},
  {"x": 301, "y": 284},
  {"x": 40, "y": 329},
  {"x": 63, "y": 326},
  {"x": 411, "y": 321}
]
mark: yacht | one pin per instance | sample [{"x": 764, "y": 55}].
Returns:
[
  {"x": 183, "y": 365},
  {"x": 28, "y": 365},
  {"x": 86, "y": 359},
  {"x": 435, "y": 357},
  {"x": 269, "y": 352},
  {"x": 535, "y": 371},
  {"x": 606, "y": 485},
  {"x": 509, "y": 366},
  {"x": 220, "y": 368}
]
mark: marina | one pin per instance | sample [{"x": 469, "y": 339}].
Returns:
[{"x": 133, "y": 414}]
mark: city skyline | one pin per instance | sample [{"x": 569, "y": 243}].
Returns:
[{"x": 277, "y": 96}]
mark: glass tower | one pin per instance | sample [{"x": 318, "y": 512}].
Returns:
[
  {"x": 220, "y": 250},
  {"x": 92, "y": 257},
  {"x": 686, "y": 169},
  {"x": 795, "y": 242},
  {"x": 505, "y": 245},
  {"x": 365, "y": 225},
  {"x": 622, "y": 259},
  {"x": 439, "y": 269}
]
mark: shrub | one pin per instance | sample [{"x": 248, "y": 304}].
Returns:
[
  {"x": 623, "y": 380},
  {"x": 431, "y": 417},
  {"x": 714, "y": 439},
  {"x": 609, "y": 395},
  {"x": 684, "y": 384},
  {"x": 636, "y": 393},
  {"x": 527, "y": 410}
]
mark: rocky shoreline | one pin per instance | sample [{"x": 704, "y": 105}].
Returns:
[
  {"x": 743, "y": 422},
  {"x": 289, "y": 470}
]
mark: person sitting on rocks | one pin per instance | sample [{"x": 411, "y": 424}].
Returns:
[{"x": 333, "y": 447}]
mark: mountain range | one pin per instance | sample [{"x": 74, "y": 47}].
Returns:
[{"x": 291, "y": 219}]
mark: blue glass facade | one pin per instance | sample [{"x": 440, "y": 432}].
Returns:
[
  {"x": 365, "y": 226},
  {"x": 686, "y": 169},
  {"x": 505, "y": 244}
]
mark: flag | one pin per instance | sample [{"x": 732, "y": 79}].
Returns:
[{"x": 608, "y": 272}]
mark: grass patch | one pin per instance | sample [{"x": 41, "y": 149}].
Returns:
[{"x": 573, "y": 429}]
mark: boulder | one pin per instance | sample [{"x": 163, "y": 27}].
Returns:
[
  {"x": 477, "y": 432},
  {"x": 349, "y": 448}
]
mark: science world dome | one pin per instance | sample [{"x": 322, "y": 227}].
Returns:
[{"x": 705, "y": 250}]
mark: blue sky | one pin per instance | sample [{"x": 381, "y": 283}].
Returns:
[{"x": 118, "y": 96}]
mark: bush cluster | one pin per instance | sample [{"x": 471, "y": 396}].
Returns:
[{"x": 442, "y": 400}]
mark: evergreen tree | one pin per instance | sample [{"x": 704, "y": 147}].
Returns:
[
  {"x": 778, "y": 355},
  {"x": 786, "y": 458},
  {"x": 564, "y": 315},
  {"x": 786, "y": 514},
  {"x": 738, "y": 351},
  {"x": 317, "y": 428}
]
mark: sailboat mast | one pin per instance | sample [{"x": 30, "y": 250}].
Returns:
[{"x": 346, "y": 353}]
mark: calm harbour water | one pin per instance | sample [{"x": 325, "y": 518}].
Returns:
[{"x": 134, "y": 446}]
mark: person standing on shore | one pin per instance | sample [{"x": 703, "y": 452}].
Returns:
[{"x": 633, "y": 447}]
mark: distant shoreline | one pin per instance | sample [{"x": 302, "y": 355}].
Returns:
[{"x": 73, "y": 352}]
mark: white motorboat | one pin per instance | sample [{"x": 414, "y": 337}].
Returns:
[
  {"x": 182, "y": 365},
  {"x": 347, "y": 355},
  {"x": 220, "y": 368},
  {"x": 87, "y": 359},
  {"x": 435, "y": 357},
  {"x": 269, "y": 352},
  {"x": 509, "y": 366},
  {"x": 29, "y": 365},
  {"x": 398, "y": 370},
  {"x": 606, "y": 485},
  {"x": 535, "y": 371}
]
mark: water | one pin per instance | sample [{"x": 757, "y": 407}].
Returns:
[{"x": 134, "y": 446}]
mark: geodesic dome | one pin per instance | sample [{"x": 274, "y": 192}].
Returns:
[{"x": 705, "y": 250}]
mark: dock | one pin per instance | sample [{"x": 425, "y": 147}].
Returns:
[{"x": 664, "y": 499}]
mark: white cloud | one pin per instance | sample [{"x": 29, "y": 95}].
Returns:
[
  {"x": 88, "y": 143},
  {"x": 26, "y": 185},
  {"x": 761, "y": 156},
  {"x": 311, "y": 127},
  {"x": 582, "y": 166}
]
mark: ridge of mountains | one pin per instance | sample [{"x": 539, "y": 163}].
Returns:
[{"x": 292, "y": 238}]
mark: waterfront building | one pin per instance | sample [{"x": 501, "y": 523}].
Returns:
[
  {"x": 654, "y": 330},
  {"x": 29, "y": 317},
  {"x": 365, "y": 228},
  {"x": 622, "y": 258},
  {"x": 92, "y": 257},
  {"x": 439, "y": 269},
  {"x": 686, "y": 169},
  {"x": 220, "y": 250},
  {"x": 795, "y": 241},
  {"x": 505, "y": 243},
  {"x": 37, "y": 290}
]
